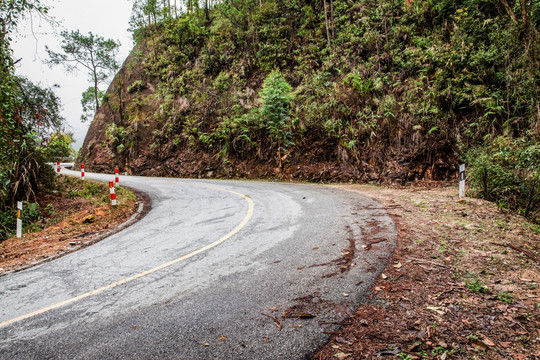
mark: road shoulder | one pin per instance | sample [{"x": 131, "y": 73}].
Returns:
[
  {"x": 463, "y": 281},
  {"x": 78, "y": 223}
]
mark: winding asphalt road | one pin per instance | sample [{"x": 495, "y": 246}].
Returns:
[{"x": 202, "y": 275}]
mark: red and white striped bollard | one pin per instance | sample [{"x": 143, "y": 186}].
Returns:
[
  {"x": 82, "y": 171},
  {"x": 113, "y": 194},
  {"x": 58, "y": 167},
  {"x": 116, "y": 178}
]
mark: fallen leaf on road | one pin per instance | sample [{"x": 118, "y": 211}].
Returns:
[
  {"x": 384, "y": 276},
  {"x": 342, "y": 355},
  {"x": 300, "y": 267},
  {"x": 206, "y": 344},
  {"x": 222, "y": 338},
  {"x": 273, "y": 308},
  {"x": 345, "y": 294},
  {"x": 306, "y": 316}
]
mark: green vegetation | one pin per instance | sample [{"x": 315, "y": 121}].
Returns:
[
  {"x": 94, "y": 54},
  {"x": 59, "y": 146},
  {"x": 276, "y": 102},
  {"x": 29, "y": 116},
  {"x": 395, "y": 90},
  {"x": 506, "y": 297},
  {"x": 476, "y": 285},
  {"x": 507, "y": 170},
  {"x": 404, "y": 356},
  {"x": 36, "y": 216}
]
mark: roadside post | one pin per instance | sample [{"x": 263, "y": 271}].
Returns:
[
  {"x": 462, "y": 181},
  {"x": 58, "y": 167},
  {"x": 113, "y": 194},
  {"x": 82, "y": 171},
  {"x": 116, "y": 178},
  {"x": 19, "y": 220}
]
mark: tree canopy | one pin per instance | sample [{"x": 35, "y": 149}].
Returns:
[
  {"x": 29, "y": 114},
  {"x": 90, "y": 52}
]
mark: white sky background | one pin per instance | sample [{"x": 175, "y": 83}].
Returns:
[{"x": 106, "y": 18}]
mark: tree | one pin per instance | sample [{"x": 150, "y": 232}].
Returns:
[
  {"x": 89, "y": 104},
  {"x": 91, "y": 52},
  {"x": 147, "y": 12},
  {"x": 276, "y": 96},
  {"x": 28, "y": 115},
  {"x": 36, "y": 115},
  {"x": 58, "y": 146}
]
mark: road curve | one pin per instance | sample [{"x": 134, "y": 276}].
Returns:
[{"x": 216, "y": 270}]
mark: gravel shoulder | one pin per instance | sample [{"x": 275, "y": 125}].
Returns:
[{"x": 463, "y": 283}]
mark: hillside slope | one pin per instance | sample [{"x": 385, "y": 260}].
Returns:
[{"x": 384, "y": 91}]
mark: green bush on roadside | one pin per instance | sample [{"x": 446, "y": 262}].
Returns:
[{"x": 507, "y": 171}]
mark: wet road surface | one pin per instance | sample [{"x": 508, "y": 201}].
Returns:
[{"x": 197, "y": 277}]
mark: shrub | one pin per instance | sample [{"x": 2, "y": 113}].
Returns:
[
  {"x": 507, "y": 171},
  {"x": 7, "y": 224},
  {"x": 276, "y": 96},
  {"x": 222, "y": 82},
  {"x": 137, "y": 86}
]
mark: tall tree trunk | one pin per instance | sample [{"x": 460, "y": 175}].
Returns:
[
  {"x": 524, "y": 25},
  {"x": 326, "y": 22},
  {"x": 149, "y": 9},
  {"x": 509, "y": 11},
  {"x": 332, "y": 19},
  {"x": 96, "y": 91}
]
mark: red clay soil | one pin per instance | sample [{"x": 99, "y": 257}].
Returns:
[{"x": 75, "y": 223}]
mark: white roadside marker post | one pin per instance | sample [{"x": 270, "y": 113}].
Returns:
[
  {"x": 113, "y": 194},
  {"x": 19, "y": 220},
  {"x": 116, "y": 178},
  {"x": 462, "y": 181},
  {"x": 82, "y": 171}
]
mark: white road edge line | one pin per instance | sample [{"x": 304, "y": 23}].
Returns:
[{"x": 237, "y": 229}]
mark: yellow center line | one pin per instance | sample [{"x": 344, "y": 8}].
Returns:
[{"x": 237, "y": 229}]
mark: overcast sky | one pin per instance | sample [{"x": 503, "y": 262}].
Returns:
[{"x": 106, "y": 18}]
